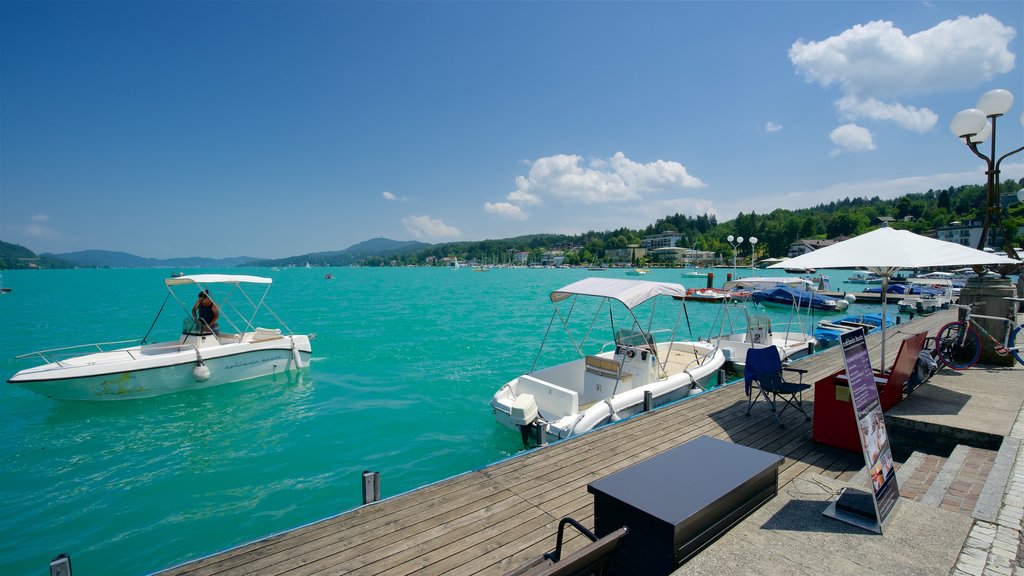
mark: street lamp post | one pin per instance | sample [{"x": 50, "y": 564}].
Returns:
[
  {"x": 737, "y": 242},
  {"x": 753, "y": 251},
  {"x": 974, "y": 126}
]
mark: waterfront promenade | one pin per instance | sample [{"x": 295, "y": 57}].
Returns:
[{"x": 956, "y": 440}]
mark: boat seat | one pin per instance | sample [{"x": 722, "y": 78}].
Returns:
[{"x": 605, "y": 367}]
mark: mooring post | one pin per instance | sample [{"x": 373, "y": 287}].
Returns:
[
  {"x": 721, "y": 377},
  {"x": 371, "y": 486},
  {"x": 60, "y": 565},
  {"x": 648, "y": 400},
  {"x": 540, "y": 435}
]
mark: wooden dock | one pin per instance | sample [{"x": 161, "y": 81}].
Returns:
[{"x": 490, "y": 520}]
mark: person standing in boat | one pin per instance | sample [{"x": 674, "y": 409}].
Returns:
[{"x": 206, "y": 312}]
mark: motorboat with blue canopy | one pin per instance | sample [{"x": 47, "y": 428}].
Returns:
[{"x": 608, "y": 382}]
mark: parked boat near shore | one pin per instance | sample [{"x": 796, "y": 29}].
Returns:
[
  {"x": 828, "y": 331},
  {"x": 787, "y": 296},
  {"x": 606, "y": 384},
  {"x": 736, "y": 330}
]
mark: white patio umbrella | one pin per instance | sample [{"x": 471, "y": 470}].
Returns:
[{"x": 886, "y": 250}]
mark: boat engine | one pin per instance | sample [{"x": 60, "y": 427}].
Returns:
[{"x": 523, "y": 413}]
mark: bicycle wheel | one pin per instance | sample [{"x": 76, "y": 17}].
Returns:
[
  {"x": 1017, "y": 352},
  {"x": 958, "y": 345}
]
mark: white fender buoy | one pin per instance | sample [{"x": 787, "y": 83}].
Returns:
[
  {"x": 201, "y": 372},
  {"x": 295, "y": 356},
  {"x": 850, "y": 298}
]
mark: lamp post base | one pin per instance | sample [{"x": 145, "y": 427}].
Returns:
[{"x": 988, "y": 296}]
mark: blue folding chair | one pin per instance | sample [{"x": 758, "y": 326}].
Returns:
[{"x": 764, "y": 371}]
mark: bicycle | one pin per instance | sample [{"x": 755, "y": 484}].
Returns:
[{"x": 959, "y": 346}]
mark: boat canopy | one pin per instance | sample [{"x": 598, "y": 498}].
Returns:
[
  {"x": 216, "y": 279},
  {"x": 765, "y": 282},
  {"x": 631, "y": 293}
]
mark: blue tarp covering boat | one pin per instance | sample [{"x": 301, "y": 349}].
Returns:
[
  {"x": 787, "y": 296},
  {"x": 828, "y": 331},
  {"x": 909, "y": 289}
]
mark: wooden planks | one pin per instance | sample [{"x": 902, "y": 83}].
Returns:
[{"x": 491, "y": 520}]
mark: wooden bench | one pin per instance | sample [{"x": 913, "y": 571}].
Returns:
[{"x": 590, "y": 559}]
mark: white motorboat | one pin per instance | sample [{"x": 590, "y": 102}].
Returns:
[
  {"x": 735, "y": 330},
  {"x": 198, "y": 358},
  {"x": 608, "y": 384}
]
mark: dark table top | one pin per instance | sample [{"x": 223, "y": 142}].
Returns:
[{"x": 674, "y": 485}]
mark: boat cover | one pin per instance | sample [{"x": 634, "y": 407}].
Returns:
[
  {"x": 787, "y": 295},
  {"x": 216, "y": 279},
  {"x": 631, "y": 293},
  {"x": 765, "y": 282}
]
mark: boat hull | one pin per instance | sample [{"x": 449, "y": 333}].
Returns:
[
  {"x": 561, "y": 414},
  {"x": 155, "y": 370}
]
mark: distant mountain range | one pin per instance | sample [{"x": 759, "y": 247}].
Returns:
[
  {"x": 109, "y": 259},
  {"x": 17, "y": 256},
  {"x": 351, "y": 255}
]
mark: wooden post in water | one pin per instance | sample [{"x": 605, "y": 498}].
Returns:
[
  {"x": 371, "y": 486},
  {"x": 61, "y": 565},
  {"x": 648, "y": 400}
]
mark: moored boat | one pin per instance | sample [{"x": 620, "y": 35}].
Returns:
[
  {"x": 828, "y": 331},
  {"x": 735, "y": 330},
  {"x": 201, "y": 356},
  {"x": 710, "y": 295},
  {"x": 608, "y": 383},
  {"x": 788, "y": 296}
]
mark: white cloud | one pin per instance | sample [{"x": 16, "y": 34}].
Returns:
[
  {"x": 772, "y": 127},
  {"x": 878, "y": 60},
  {"x": 852, "y": 138},
  {"x": 38, "y": 228},
  {"x": 916, "y": 119},
  {"x": 875, "y": 64},
  {"x": 505, "y": 210},
  {"x": 613, "y": 180},
  {"x": 427, "y": 227},
  {"x": 389, "y": 196}
]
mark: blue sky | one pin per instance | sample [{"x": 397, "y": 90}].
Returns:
[{"x": 271, "y": 129}]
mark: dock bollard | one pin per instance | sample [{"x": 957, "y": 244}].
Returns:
[
  {"x": 371, "y": 486},
  {"x": 721, "y": 378},
  {"x": 540, "y": 436},
  {"x": 648, "y": 400},
  {"x": 711, "y": 279},
  {"x": 60, "y": 565}
]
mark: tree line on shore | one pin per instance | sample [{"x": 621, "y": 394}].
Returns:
[{"x": 776, "y": 231}]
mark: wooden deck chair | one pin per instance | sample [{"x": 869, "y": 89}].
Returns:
[
  {"x": 764, "y": 371},
  {"x": 587, "y": 561},
  {"x": 891, "y": 384}
]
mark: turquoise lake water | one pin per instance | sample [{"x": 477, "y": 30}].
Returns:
[{"x": 405, "y": 361}]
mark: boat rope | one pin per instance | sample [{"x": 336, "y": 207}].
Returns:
[{"x": 148, "y": 332}]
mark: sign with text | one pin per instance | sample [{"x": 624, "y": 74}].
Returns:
[{"x": 874, "y": 440}]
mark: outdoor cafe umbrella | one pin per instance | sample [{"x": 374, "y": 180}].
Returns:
[{"x": 886, "y": 250}]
